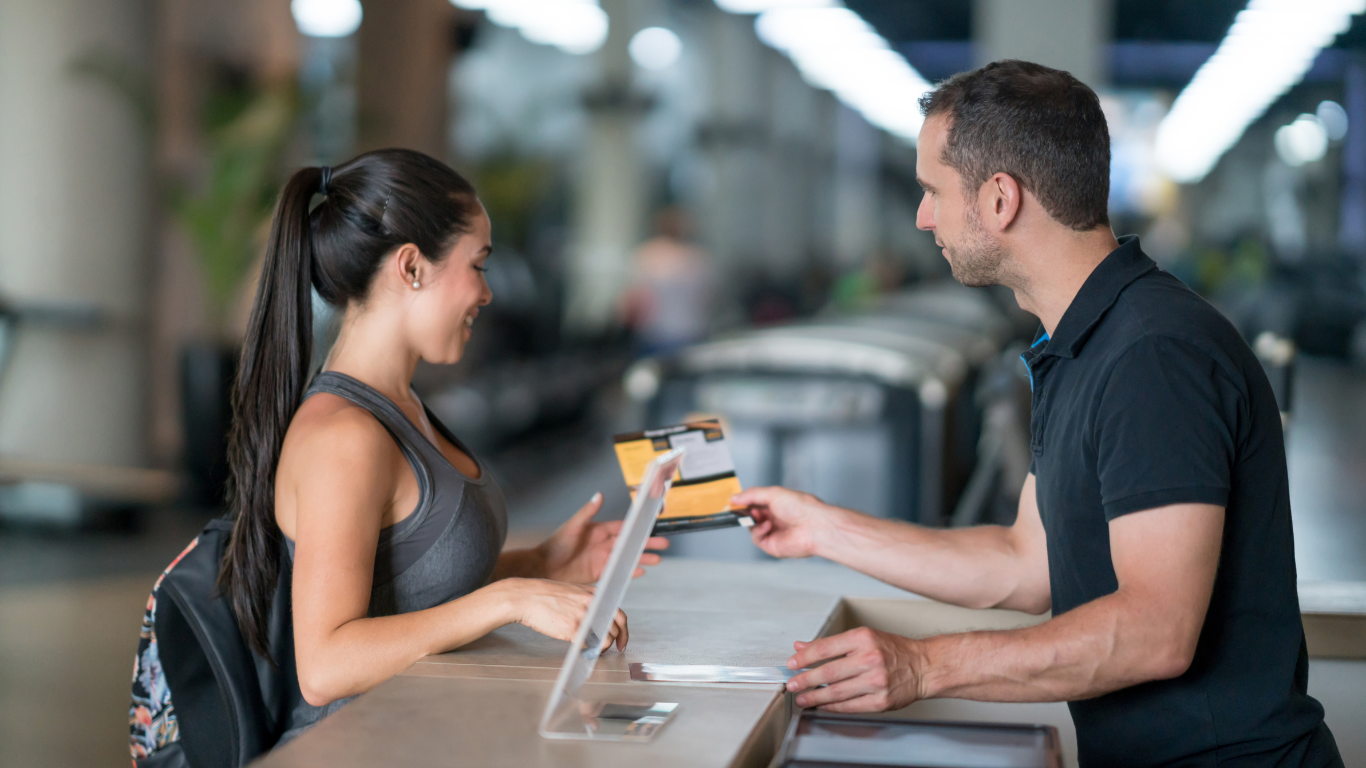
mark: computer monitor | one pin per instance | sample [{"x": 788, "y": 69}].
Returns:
[{"x": 567, "y": 716}]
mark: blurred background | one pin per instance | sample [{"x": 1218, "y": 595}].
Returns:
[{"x": 699, "y": 207}]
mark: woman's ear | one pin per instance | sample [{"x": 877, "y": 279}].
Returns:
[{"x": 408, "y": 264}]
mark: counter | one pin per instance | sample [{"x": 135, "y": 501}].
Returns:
[{"x": 480, "y": 705}]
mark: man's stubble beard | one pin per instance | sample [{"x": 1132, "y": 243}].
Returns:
[{"x": 978, "y": 261}]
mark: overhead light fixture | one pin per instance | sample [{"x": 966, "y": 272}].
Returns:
[
  {"x": 326, "y": 18},
  {"x": 1303, "y": 141},
  {"x": 1334, "y": 119},
  {"x": 573, "y": 26},
  {"x": 1270, "y": 46},
  {"x": 654, "y": 48},
  {"x": 835, "y": 49},
  {"x": 759, "y": 6}
]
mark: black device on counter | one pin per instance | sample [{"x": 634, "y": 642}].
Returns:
[{"x": 818, "y": 740}]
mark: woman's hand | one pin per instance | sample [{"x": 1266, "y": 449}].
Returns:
[
  {"x": 578, "y": 551},
  {"x": 556, "y": 609}
]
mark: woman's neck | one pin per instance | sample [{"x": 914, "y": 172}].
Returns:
[{"x": 368, "y": 349}]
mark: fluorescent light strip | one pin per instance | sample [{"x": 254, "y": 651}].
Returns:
[
  {"x": 835, "y": 49},
  {"x": 326, "y": 18},
  {"x": 573, "y": 26},
  {"x": 1270, "y": 46}
]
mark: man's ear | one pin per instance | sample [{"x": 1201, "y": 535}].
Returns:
[{"x": 1001, "y": 197}]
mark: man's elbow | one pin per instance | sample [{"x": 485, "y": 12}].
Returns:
[{"x": 1171, "y": 659}]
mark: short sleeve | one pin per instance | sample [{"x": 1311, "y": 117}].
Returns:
[{"x": 1165, "y": 429}]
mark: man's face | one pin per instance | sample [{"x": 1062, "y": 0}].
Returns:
[{"x": 974, "y": 255}]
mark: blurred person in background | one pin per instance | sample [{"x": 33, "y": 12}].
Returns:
[
  {"x": 395, "y": 529},
  {"x": 1155, "y": 519},
  {"x": 881, "y": 274},
  {"x": 670, "y": 299}
]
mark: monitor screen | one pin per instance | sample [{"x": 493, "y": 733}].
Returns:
[{"x": 611, "y": 588}]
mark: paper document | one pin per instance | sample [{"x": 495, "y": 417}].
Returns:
[{"x": 700, "y": 496}]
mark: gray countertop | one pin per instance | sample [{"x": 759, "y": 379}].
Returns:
[{"x": 480, "y": 705}]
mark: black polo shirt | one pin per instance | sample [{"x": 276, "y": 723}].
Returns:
[{"x": 1146, "y": 396}]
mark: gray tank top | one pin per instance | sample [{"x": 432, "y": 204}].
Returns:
[{"x": 445, "y": 549}]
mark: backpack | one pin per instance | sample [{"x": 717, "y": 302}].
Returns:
[{"x": 201, "y": 697}]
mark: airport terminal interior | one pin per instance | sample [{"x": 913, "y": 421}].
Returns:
[{"x": 700, "y": 209}]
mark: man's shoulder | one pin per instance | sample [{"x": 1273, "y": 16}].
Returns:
[{"x": 1159, "y": 310}]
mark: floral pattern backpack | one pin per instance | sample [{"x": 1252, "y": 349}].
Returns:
[{"x": 201, "y": 698}]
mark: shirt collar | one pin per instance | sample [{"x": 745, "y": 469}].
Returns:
[{"x": 1101, "y": 290}]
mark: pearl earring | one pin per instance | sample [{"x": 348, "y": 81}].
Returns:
[{"x": 416, "y": 284}]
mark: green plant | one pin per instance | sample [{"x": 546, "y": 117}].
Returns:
[{"x": 246, "y": 135}]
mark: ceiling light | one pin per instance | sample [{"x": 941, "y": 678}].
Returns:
[
  {"x": 1267, "y": 50},
  {"x": 1303, "y": 141},
  {"x": 835, "y": 49},
  {"x": 1334, "y": 119},
  {"x": 573, "y": 26},
  {"x": 654, "y": 47},
  {"x": 759, "y": 6},
  {"x": 326, "y": 18}
]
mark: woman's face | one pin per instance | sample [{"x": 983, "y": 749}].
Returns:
[{"x": 451, "y": 292}]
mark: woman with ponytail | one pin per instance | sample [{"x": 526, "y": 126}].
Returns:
[{"x": 394, "y": 529}]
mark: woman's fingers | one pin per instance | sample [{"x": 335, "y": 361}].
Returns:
[
  {"x": 616, "y": 633},
  {"x": 587, "y": 511}
]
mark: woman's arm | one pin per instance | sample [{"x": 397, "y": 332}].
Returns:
[{"x": 338, "y": 478}]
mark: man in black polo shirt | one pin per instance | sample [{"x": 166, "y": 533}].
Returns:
[{"x": 1155, "y": 522}]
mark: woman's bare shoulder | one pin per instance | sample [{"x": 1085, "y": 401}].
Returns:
[{"x": 329, "y": 432}]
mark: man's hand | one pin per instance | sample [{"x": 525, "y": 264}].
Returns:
[
  {"x": 786, "y": 523},
  {"x": 578, "y": 551},
  {"x": 865, "y": 671}
]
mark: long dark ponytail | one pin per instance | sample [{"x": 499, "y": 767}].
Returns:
[{"x": 370, "y": 206}]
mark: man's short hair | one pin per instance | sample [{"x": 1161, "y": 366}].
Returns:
[{"x": 1042, "y": 126}]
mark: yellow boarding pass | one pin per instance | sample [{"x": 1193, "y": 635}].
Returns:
[{"x": 699, "y": 499}]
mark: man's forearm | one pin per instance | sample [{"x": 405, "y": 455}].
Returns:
[
  {"x": 978, "y": 567},
  {"x": 1094, "y": 649}
]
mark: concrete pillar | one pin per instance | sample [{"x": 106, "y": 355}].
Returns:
[
  {"x": 401, "y": 74},
  {"x": 734, "y": 138},
  {"x": 195, "y": 38},
  {"x": 1352, "y": 208},
  {"x": 795, "y": 158},
  {"x": 825, "y": 186},
  {"x": 1064, "y": 34},
  {"x": 75, "y": 196},
  {"x": 858, "y": 221},
  {"x": 611, "y": 200}
]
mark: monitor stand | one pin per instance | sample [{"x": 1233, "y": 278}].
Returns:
[{"x": 633, "y": 721}]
